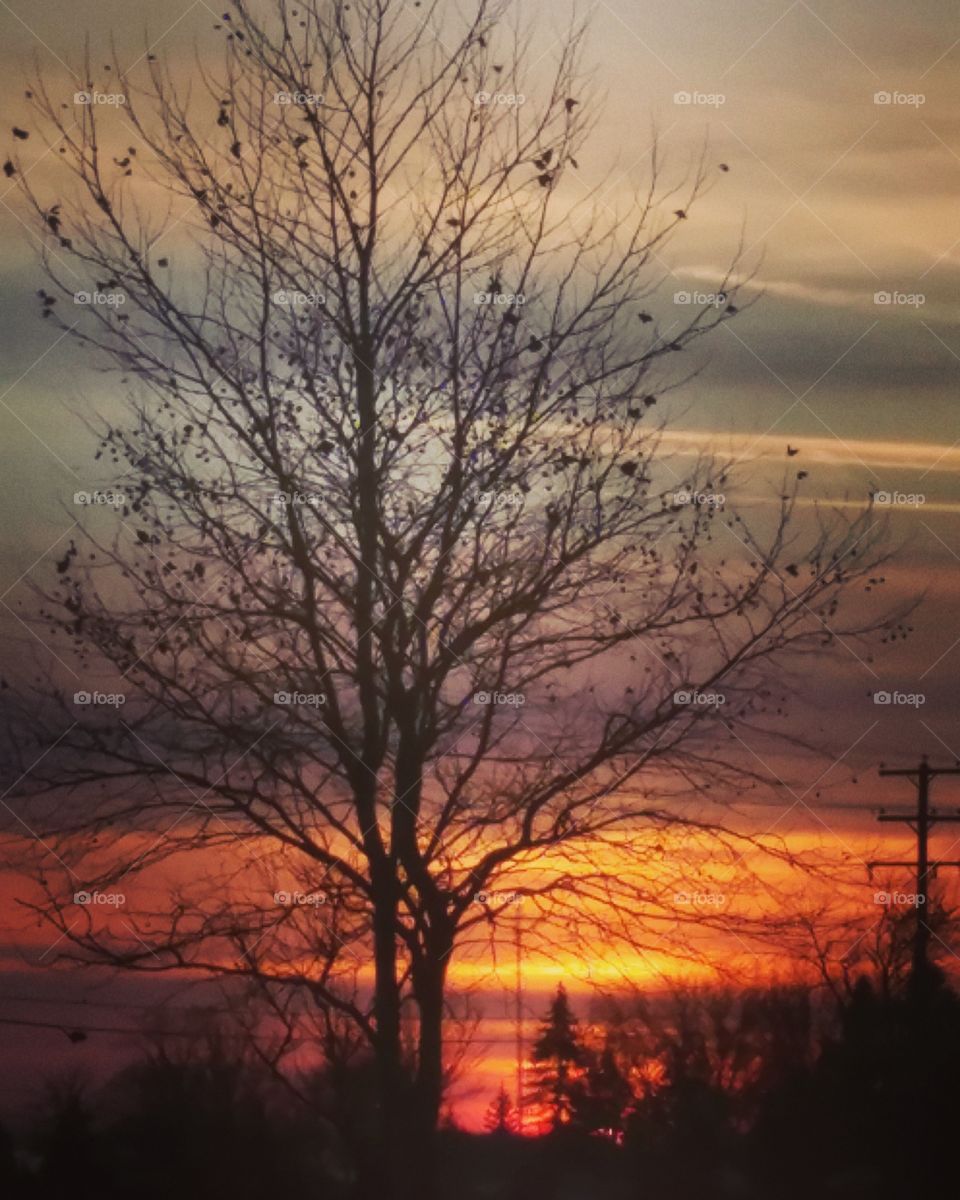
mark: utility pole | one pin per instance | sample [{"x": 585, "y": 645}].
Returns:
[{"x": 921, "y": 821}]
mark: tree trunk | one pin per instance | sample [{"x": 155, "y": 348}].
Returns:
[
  {"x": 429, "y": 984},
  {"x": 385, "y": 1178}
]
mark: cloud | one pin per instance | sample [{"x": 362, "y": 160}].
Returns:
[{"x": 829, "y": 451}]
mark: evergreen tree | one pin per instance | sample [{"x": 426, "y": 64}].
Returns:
[
  {"x": 603, "y": 1096},
  {"x": 500, "y": 1116},
  {"x": 560, "y": 1058}
]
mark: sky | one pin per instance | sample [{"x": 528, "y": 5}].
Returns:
[{"x": 839, "y": 125}]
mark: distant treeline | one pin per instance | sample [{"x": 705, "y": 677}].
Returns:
[{"x": 761, "y": 1092}]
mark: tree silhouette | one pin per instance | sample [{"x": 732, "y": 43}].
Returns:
[
  {"x": 843, "y": 944},
  {"x": 207, "y": 1116},
  {"x": 71, "y": 1162},
  {"x": 500, "y": 1116},
  {"x": 394, "y": 500},
  {"x": 560, "y": 1057},
  {"x": 704, "y": 1065},
  {"x": 604, "y": 1098},
  {"x": 877, "y": 1105}
]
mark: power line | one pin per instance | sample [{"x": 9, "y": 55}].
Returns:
[
  {"x": 67, "y": 1027},
  {"x": 160, "y": 1006}
]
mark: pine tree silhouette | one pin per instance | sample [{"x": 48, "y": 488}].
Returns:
[
  {"x": 560, "y": 1058},
  {"x": 500, "y": 1116}
]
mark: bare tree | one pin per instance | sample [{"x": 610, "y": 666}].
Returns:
[
  {"x": 842, "y": 943},
  {"x": 403, "y": 597}
]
